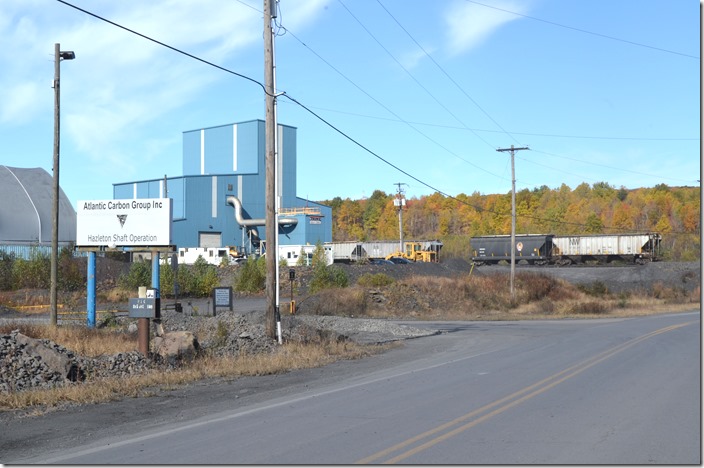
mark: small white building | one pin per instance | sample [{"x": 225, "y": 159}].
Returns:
[{"x": 292, "y": 254}]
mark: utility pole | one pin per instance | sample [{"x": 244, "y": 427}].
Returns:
[
  {"x": 512, "y": 150},
  {"x": 59, "y": 55},
  {"x": 270, "y": 179},
  {"x": 400, "y": 202}
]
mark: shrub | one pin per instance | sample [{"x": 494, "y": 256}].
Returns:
[
  {"x": 70, "y": 277},
  {"x": 534, "y": 286},
  {"x": 596, "y": 288},
  {"x": 197, "y": 280},
  {"x": 34, "y": 273},
  {"x": 251, "y": 277},
  {"x": 7, "y": 261},
  {"x": 325, "y": 277},
  {"x": 140, "y": 274},
  {"x": 375, "y": 280},
  {"x": 319, "y": 257}
]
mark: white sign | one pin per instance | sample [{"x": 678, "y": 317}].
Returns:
[{"x": 113, "y": 223}]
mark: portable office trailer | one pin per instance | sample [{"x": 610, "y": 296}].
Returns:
[{"x": 292, "y": 254}]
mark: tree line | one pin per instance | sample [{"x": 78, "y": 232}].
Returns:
[{"x": 600, "y": 208}]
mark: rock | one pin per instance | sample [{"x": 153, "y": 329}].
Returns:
[
  {"x": 53, "y": 359},
  {"x": 176, "y": 345}
]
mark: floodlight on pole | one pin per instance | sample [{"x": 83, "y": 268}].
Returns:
[{"x": 59, "y": 55}]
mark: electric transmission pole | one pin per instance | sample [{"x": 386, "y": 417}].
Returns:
[
  {"x": 512, "y": 150},
  {"x": 272, "y": 249},
  {"x": 400, "y": 202}
]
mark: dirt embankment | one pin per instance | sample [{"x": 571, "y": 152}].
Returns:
[{"x": 617, "y": 278}]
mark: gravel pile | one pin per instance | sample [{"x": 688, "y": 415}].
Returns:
[
  {"x": 22, "y": 368},
  {"x": 227, "y": 334}
]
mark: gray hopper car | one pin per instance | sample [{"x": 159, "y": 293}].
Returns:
[{"x": 542, "y": 249}]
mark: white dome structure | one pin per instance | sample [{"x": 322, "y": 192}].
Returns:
[{"x": 26, "y": 201}]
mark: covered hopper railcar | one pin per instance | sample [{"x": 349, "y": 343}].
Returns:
[
  {"x": 542, "y": 249},
  {"x": 532, "y": 248}
]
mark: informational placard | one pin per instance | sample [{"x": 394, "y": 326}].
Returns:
[
  {"x": 142, "y": 307},
  {"x": 117, "y": 223},
  {"x": 222, "y": 297}
]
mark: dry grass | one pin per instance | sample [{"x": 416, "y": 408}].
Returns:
[
  {"x": 431, "y": 298},
  {"x": 488, "y": 298},
  {"x": 288, "y": 357},
  {"x": 79, "y": 339}
]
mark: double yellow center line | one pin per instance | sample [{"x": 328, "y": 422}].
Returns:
[{"x": 445, "y": 431}]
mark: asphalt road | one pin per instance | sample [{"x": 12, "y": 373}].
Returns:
[{"x": 608, "y": 391}]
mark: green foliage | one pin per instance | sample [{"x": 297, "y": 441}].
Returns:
[
  {"x": 325, "y": 277},
  {"x": 319, "y": 257},
  {"x": 140, "y": 274},
  {"x": 197, "y": 280},
  {"x": 221, "y": 335},
  {"x": 6, "y": 262},
  {"x": 374, "y": 280},
  {"x": 69, "y": 277},
  {"x": 302, "y": 258},
  {"x": 34, "y": 273},
  {"x": 166, "y": 280},
  {"x": 593, "y": 224},
  {"x": 456, "y": 247},
  {"x": 251, "y": 276}
]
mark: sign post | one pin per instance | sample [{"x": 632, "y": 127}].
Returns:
[
  {"x": 143, "y": 308},
  {"x": 291, "y": 277}
]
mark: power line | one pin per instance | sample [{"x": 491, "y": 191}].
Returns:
[
  {"x": 283, "y": 94},
  {"x": 194, "y": 57},
  {"x": 416, "y": 80},
  {"x": 398, "y": 117},
  {"x": 447, "y": 75},
  {"x": 585, "y": 31},
  {"x": 611, "y": 167},
  {"x": 549, "y": 135}
]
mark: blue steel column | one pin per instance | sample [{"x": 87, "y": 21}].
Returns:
[
  {"x": 155, "y": 272},
  {"x": 90, "y": 307}
]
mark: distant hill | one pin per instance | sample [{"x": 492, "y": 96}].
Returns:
[{"x": 588, "y": 209}]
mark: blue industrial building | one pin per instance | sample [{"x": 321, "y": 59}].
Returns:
[{"x": 220, "y": 198}]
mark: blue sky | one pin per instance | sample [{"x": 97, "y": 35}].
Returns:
[{"x": 601, "y": 91}]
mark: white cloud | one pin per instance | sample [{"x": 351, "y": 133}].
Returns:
[
  {"x": 21, "y": 103},
  {"x": 121, "y": 93},
  {"x": 413, "y": 58},
  {"x": 469, "y": 24}
]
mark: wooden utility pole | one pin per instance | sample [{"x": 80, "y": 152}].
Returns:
[
  {"x": 270, "y": 183},
  {"x": 400, "y": 202},
  {"x": 512, "y": 150}
]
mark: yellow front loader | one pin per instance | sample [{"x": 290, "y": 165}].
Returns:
[{"x": 415, "y": 253}]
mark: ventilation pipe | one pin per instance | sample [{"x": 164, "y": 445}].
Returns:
[{"x": 252, "y": 223}]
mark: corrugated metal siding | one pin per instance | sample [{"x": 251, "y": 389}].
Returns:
[
  {"x": 191, "y": 153},
  {"x": 287, "y": 153},
  {"x": 199, "y": 201}
]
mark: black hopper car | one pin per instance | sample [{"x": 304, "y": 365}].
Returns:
[{"x": 545, "y": 249}]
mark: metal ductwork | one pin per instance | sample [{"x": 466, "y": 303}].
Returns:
[{"x": 253, "y": 222}]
